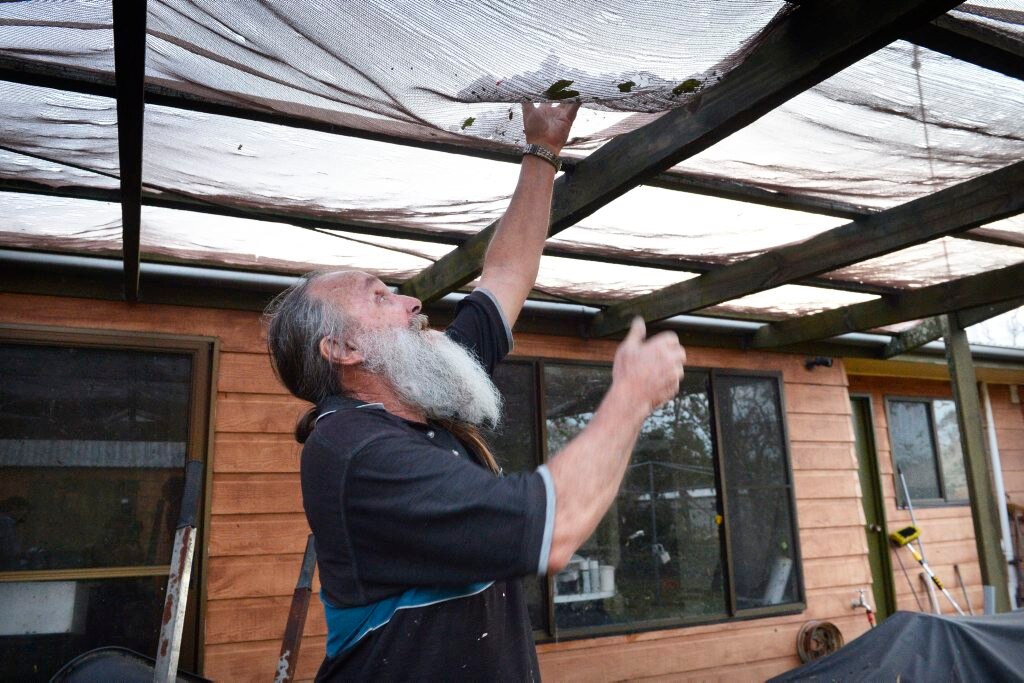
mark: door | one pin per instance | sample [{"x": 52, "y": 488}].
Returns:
[{"x": 874, "y": 508}]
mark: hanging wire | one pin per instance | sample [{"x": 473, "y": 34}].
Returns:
[{"x": 916, "y": 65}]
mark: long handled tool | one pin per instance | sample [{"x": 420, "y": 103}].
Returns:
[
  {"x": 904, "y": 538},
  {"x": 292, "y": 640},
  {"x": 169, "y": 647},
  {"x": 932, "y": 598}
]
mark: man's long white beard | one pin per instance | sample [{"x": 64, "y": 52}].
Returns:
[{"x": 431, "y": 372}]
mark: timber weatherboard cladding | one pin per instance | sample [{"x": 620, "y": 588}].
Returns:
[
  {"x": 946, "y": 530},
  {"x": 257, "y": 529}
]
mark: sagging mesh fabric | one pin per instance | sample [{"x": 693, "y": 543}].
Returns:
[{"x": 900, "y": 124}]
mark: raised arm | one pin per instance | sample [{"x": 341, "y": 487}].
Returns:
[
  {"x": 513, "y": 257},
  {"x": 587, "y": 473}
]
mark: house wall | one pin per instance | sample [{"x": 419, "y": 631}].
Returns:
[
  {"x": 257, "y": 529},
  {"x": 947, "y": 531}
]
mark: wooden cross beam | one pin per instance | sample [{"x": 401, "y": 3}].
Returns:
[
  {"x": 985, "y": 289},
  {"x": 932, "y": 328},
  {"x": 972, "y": 42},
  {"x": 955, "y": 209},
  {"x": 130, "y": 75},
  {"x": 795, "y": 53}
]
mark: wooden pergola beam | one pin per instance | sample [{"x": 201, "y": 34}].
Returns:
[
  {"x": 972, "y": 42},
  {"x": 977, "y": 465},
  {"x": 955, "y": 209},
  {"x": 795, "y": 53},
  {"x": 931, "y": 329},
  {"x": 988, "y": 288},
  {"x": 130, "y": 76}
]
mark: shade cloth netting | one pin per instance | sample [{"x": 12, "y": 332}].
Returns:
[
  {"x": 915, "y": 646},
  {"x": 899, "y": 124}
]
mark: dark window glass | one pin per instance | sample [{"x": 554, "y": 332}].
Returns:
[
  {"x": 45, "y": 624},
  {"x": 657, "y": 553},
  {"x": 92, "y": 446},
  {"x": 93, "y": 443},
  {"x": 926, "y": 448},
  {"x": 913, "y": 449},
  {"x": 515, "y": 446},
  {"x": 951, "y": 455},
  {"x": 758, "y": 494}
]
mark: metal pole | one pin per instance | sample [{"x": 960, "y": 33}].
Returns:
[
  {"x": 169, "y": 648},
  {"x": 934, "y": 599}
]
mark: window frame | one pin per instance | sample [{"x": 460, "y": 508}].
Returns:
[
  {"x": 942, "y": 501},
  {"x": 732, "y": 614},
  {"x": 203, "y": 352}
]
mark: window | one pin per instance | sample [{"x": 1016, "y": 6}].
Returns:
[
  {"x": 703, "y": 527},
  {"x": 94, "y": 435},
  {"x": 926, "y": 449}
]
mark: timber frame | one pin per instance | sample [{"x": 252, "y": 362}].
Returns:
[{"x": 801, "y": 48}]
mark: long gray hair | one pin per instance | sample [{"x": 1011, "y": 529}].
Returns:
[{"x": 296, "y": 322}]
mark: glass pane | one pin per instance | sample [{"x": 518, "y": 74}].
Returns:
[
  {"x": 92, "y": 449},
  {"x": 762, "y": 546},
  {"x": 913, "y": 452},
  {"x": 656, "y": 554},
  {"x": 757, "y": 490},
  {"x": 515, "y": 446},
  {"x": 751, "y": 429},
  {"x": 951, "y": 455},
  {"x": 45, "y": 624}
]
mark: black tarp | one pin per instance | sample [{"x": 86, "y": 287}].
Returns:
[{"x": 912, "y": 646}]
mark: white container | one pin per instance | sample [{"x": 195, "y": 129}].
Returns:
[{"x": 607, "y": 572}]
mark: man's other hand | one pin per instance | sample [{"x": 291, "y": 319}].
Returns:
[
  {"x": 548, "y": 125},
  {"x": 648, "y": 370}
]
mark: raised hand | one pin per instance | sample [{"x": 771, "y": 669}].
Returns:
[
  {"x": 649, "y": 370},
  {"x": 548, "y": 125}
]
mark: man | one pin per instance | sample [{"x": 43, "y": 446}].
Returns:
[{"x": 420, "y": 544}]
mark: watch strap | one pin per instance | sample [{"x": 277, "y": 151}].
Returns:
[{"x": 545, "y": 154}]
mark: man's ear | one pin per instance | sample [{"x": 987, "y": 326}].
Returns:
[{"x": 339, "y": 353}]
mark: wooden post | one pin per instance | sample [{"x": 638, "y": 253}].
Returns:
[{"x": 984, "y": 510}]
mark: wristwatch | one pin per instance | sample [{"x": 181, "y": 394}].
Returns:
[{"x": 545, "y": 154}]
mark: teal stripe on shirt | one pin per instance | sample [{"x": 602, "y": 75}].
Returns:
[{"x": 346, "y": 626}]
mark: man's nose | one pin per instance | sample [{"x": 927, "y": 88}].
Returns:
[{"x": 412, "y": 304}]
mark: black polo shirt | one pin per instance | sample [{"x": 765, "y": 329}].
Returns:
[{"x": 420, "y": 547}]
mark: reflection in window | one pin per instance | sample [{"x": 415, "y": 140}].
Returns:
[
  {"x": 515, "y": 447},
  {"x": 660, "y": 557},
  {"x": 93, "y": 444},
  {"x": 757, "y": 491},
  {"x": 926, "y": 448}
]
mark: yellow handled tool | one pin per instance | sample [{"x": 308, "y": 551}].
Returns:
[{"x": 904, "y": 539}]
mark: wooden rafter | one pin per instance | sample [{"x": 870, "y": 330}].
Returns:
[
  {"x": 972, "y": 42},
  {"x": 795, "y": 53},
  {"x": 955, "y": 209},
  {"x": 932, "y": 328},
  {"x": 130, "y": 75},
  {"x": 988, "y": 288}
]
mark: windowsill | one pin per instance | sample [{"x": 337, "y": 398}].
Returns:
[{"x": 923, "y": 504}]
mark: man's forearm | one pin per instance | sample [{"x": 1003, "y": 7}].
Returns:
[
  {"x": 513, "y": 257},
  {"x": 588, "y": 471}
]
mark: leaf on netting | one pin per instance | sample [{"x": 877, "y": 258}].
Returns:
[
  {"x": 558, "y": 91},
  {"x": 627, "y": 86},
  {"x": 468, "y": 122},
  {"x": 687, "y": 86}
]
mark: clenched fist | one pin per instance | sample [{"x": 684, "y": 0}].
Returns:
[{"x": 648, "y": 370}]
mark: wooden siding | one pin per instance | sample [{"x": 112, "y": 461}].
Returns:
[
  {"x": 946, "y": 531},
  {"x": 257, "y": 529}
]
